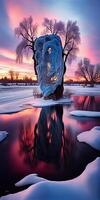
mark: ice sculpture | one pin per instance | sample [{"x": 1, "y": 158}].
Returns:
[{"x": 50, "y": 66}]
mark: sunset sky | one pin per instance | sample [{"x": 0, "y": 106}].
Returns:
[{"x": 86, "y": 12}]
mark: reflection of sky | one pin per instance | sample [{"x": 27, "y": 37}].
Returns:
[
  {"x": 86, "y": 12},
  {"x": 43, "y": 141}
]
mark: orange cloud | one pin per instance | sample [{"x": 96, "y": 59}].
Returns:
[{"x": 8, "y": 62}]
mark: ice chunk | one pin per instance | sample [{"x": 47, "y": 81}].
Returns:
[
  {"x": 40, "y": 102},
  {"x": 50, "y": 66},
  {"x": 91, "y": 137},
  {"x": 85, "y": 113}
]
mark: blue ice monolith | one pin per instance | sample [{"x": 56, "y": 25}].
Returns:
[{"x": 50, "y": 66}]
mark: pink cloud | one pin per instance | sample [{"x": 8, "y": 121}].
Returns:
[
  {"x": 16, "y": 12},
  {"x": 87, "y": 50}
]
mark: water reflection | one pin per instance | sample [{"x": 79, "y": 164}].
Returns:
[
  {"x": 44, "y": 141},
  {"x": 51, "y": 148},
  {"x": 87, "y": 102}
]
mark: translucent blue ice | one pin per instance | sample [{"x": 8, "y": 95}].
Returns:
[{"x": 50, "y": 66}]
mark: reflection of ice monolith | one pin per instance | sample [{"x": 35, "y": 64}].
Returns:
[{"x": 50, "y": 66}]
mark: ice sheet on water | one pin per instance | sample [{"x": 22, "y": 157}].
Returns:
[
  {"x": 91, "y": 137},
  {"x": 31, "y": 102},
  {"x": 85, "y": 113}
]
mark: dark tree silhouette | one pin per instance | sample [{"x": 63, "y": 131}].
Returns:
[
  {"x": 11, "y": 74},
  {"x": 27, "y": 31},
  {"x": 91, "y": 73},
  {"x": 17, "y": 75}
]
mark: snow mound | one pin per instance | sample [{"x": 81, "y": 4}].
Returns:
[
  {"x": 85, "y": 113},
  {"x": 84, "y": 187},
  {"x": 91, "y": 137},
  {"x": 29, "y": 180},
  {"x": 3, "y": 135}
]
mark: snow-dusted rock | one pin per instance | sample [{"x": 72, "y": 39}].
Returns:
[
  {"x": 91, "y": 137},
  {"x": 85, "y": 113},
  {"x": 3, "y": 135},
  {"x": 50, "y": 65}
]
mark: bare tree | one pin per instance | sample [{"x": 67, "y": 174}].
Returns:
[
  {"x": 27, "y": 31},
  {"x": 70, "y": 35},
  {"x": 90, "y": 73},
  {"x": 53, "y": 26},
  {"x": 16, "y": 75},
  {"x": 11, "y": 74},
  {"x": 71, "y": 42}
]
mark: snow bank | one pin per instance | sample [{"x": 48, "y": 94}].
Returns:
[
  {"x": 29, "y": 180},
  {"x": 85, "y": 113},
  {"x": 84, "y": 91},
  {"x": 16, "y": 98},
  {"x": 91, "y": 137},
  {"x": 84, "y": 187},
  {"x": 27, "y": 103},
  {"x": 3, "y": 135}
]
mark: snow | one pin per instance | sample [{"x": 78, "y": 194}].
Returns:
[
  {"x": 17, "y": 98},
  {"x": 91, "y": 137},
  {"x": 29, "y": 180},
  {"x": 84, "y": 187},
  {"x": 40, "y": 102},
  {"x": 85, "y": 113},
  {"x": 50, "y": 66},
  {"x": 29, "y": 103},
  {"x": 3, "y": 135},
  {"x": 84, "y": 91},
  {"x": 17, "y": 103}
]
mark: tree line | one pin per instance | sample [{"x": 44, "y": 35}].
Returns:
[{"x": 14, "y": 78}]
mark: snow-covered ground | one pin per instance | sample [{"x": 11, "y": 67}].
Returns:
[
  {"x": 84, "y": 187},
  {"x": 16, "y": 98},
  {"x": 84, "y": 91},
  {"x": 91, "y": 137}
]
